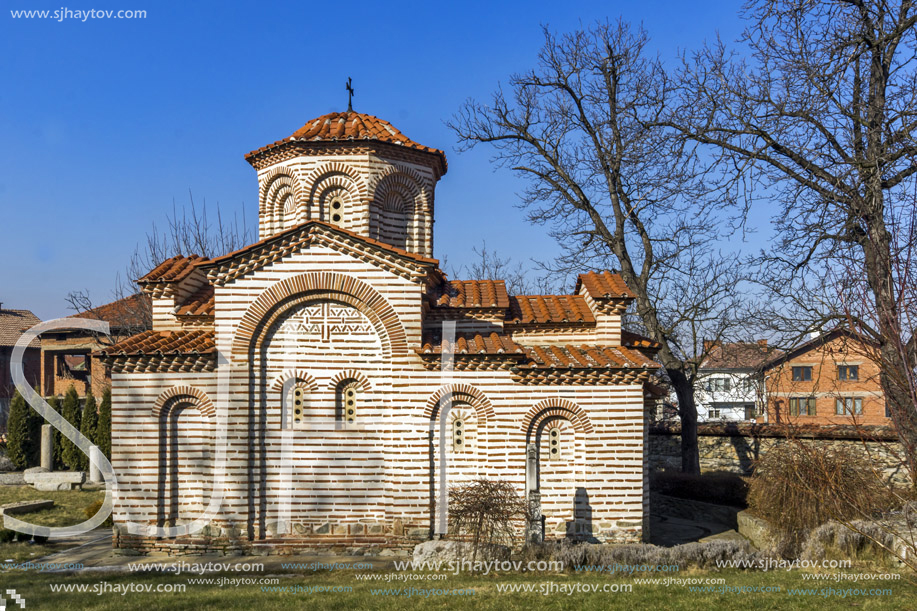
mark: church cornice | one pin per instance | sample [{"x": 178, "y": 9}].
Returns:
[
  {"x": 294, "y": 149},
  {"x": 279, "y": 246}
]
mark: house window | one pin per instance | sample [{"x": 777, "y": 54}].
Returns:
[
  {"x": 554, "y": 444},
  {"x": 802, "y": 406},
  {"x": 713, "y": 413},
  {"x": 748, "y": 385},
  {"x": 802, "y": 374},
  {"x": 750, "y": 412},
  {"x": 849, "y": 406},
  {"x": 719, "y": 385},
  {"x": 347, "y": 394},
  {"x": 458, "y": 435},
  {"x": 848, "y": 372}
]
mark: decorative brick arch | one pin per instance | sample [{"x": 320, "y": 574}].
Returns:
[
  {"x": 404, "y": 178},
  {"x": 556, "y": 408},
  {"x": 316, "y": 286},
  {"x": 465, "y": 393},
  {"x": 196, "y": 396},
  {"x": 277, "y": 187},
  {"x": 294, "y": 374},
  {"x": 350, "y": 374},
  {"x": 343, "y": 174}
]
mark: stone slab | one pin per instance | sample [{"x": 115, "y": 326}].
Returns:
[{"x": 48, "y": 481}]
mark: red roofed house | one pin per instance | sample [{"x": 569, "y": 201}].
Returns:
[
  {"x": 331, "y": 390},
  {"x": 12, "y": 324}
]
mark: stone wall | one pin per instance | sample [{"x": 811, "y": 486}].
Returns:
[{"x": 736, "y": 447}]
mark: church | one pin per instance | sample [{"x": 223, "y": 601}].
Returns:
[{"x": 324, "y": 387}]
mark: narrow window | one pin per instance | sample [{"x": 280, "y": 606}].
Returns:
[
  {"x": 802, "y": 374},
  {"x": 554, "y": 437},
  {"x": 347, "y": 401},
  {"x": 294, "y": 404},
  {"x": 299, "y": 395},
  {"x": 458, "y": 435},
  {"x": 336, "y": 211}
]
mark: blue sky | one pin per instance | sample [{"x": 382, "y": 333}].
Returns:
[{"x": 106, "y": 122}]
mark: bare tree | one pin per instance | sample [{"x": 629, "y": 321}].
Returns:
[
  {"x": 520, "y": 279},
  {"x": 189, "y": 230},
  {"x": 618, "y": 190},
  {"x": 818, "y": 119}
]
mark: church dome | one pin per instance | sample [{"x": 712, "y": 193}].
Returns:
[{"x": 351, "y": 126}]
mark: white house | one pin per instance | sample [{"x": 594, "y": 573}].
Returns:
[{"x": 729, "y": 386}]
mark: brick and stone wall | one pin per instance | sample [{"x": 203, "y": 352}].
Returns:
[{"x": 736, "y": 447}]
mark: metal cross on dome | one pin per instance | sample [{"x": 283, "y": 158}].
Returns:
[{"x": 350, "y": 92}]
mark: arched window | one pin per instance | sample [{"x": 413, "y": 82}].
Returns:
[
  {"x": 459, "y": 440},
  {"x": 347, "y": 394},
  {"x": 555, "y": 438},
  {"x": 295, "y": 402},
  {"x": 337, "y": 210}
]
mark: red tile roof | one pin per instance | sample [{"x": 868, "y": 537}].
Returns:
[
  {"x": 605, "y": 285},
  {"x": 739, "y": 355},
  {"x": 175, "y": 269},
  {"x": 545, "y": 309},
  {"x": 200, "y": 303},
  {"x": 475, "y": 343},
  {"x": 13, "y": 323},
  {"x": 350, "y": 125},
  {"x": 133, "y": 311},
  {"x": 636, "y": 340},
  {"x": 586, "y": 357},
  {"x": 153, "y": 343},
  {"x": 473, "y": 294}
]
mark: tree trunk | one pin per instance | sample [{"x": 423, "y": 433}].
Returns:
[{"x": 687, "y": 411}]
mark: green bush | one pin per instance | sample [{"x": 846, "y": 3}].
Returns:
[
  {"x": 23, "y": 442},
  {"x": 103, "y": 429},
  {"x": 70, "y": 409},
  {"x": 7, "y": 535},
  {"x": 88, "y": 425}
]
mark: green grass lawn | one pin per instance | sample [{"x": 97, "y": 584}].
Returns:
[
  {"x": 37, "y": 590},
  {"x": 69, "y": 508}
]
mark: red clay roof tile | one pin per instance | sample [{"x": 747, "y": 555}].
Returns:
[
  {"x": 155, "y": 343},
  {"x": 201, "y": 303},
  {"x": 604, "y": 285},
  {"x": 549, "y": 309},
  {"x": 474, "y": 344},
  {"x": 473, "y": 294},
  {"x": 586, "y": 357},
  {"x": 351, "y": 125},
  {"x": 175, "y": 269}
]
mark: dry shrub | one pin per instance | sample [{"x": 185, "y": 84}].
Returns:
[
  {"x": 719, "y": 487},
  {"x": 798, "y": 487},
  {"x": 862, "y": 540},
  {"x": 488, "y": 512}
]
